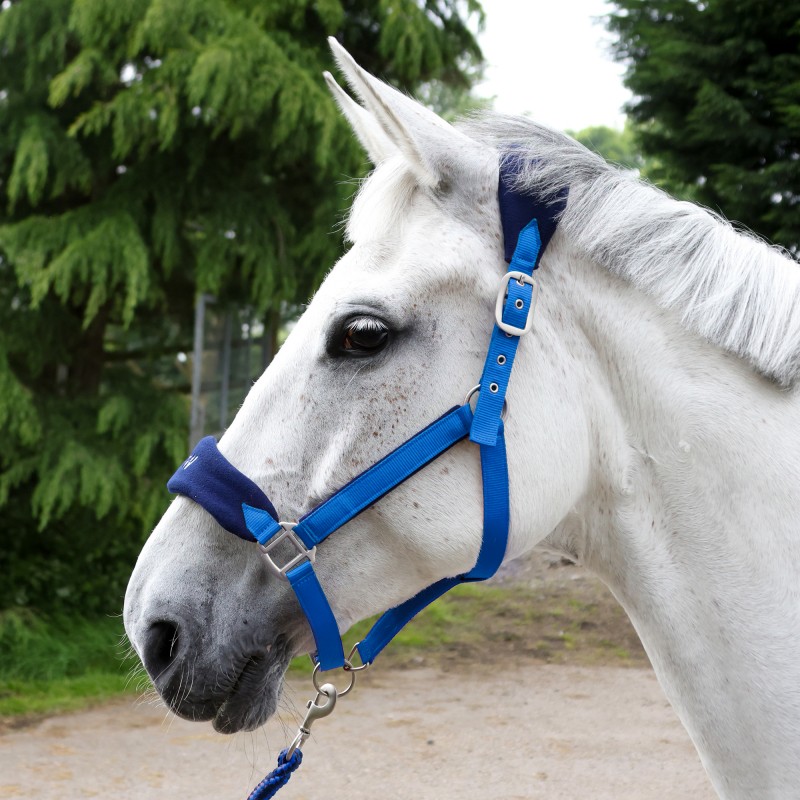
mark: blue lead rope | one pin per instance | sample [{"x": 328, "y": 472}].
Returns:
[{"x": 278, "y": 778}]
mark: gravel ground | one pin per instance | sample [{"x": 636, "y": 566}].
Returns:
[{"x": 533, "y": 731}]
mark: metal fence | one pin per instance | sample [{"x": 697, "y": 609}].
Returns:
[{"x": 232, "y": 347}]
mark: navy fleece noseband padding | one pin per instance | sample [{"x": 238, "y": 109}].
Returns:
[
  {"x": 210, "y": 480},
  {"x": 518, "y": 209}
]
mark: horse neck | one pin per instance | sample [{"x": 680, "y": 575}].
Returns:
[{"x": 692, "y": 520}]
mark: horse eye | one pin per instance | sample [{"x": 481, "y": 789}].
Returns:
[{"x": 364, "y": 336}]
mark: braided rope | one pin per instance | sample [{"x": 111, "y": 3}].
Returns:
[{"x": 278, "y": 778}]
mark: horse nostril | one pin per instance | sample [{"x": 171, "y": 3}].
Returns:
[{"x": 161, "y": 645}]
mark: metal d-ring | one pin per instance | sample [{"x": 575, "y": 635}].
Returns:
[
  {"x": 471, "y": 393},
  {"x": 351, "y": 672}
]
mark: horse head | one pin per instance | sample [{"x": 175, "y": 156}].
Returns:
[{"x": 395, "y": 336}]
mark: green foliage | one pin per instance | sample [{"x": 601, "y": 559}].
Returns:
[
  {"x": 43, "y": 648},
  {"x": 618, "y": 147},
  {"x": 717, "y": 103},
  {"x": 150, "y": 150},
  {"x": 452, "y": 102},
  {"x": 58, "y": 663}
]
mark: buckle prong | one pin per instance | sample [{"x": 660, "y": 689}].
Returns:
[{"x": 502, "y": 293}]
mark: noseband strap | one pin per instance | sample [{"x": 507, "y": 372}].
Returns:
[{"x": 242, "y": 508}]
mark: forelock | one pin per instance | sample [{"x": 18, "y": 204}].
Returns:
[{"x": 382, "y": 203}]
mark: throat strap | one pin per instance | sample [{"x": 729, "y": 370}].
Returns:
[{"x": 494, "y": 472}]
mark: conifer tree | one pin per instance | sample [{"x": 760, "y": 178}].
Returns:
[
  {"x": 717, "y": 103},
  {"x": 616, "y": 146},
  {"x": 150, "y": 150}
]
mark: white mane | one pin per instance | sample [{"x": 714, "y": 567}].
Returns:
[{"x": 728, "y": 286}]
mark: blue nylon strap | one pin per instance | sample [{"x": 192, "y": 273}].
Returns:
[
  {"x": 518, "y": 208},
  {"x": 319, "y": 615},
  {"x": 384, "y": 476},
  {"x": 347, "y": 503},
  {"x": 395, "y": 619},
  {"x": 496, "y": 514},
  {"x": 350, "y": 501},
  {"x": 260, "y": 524},
  {"x": 503, "y": 346},
  {"x": 308, "y": 590},
  {"x": 529, "y": 248},
  {"x": 209, "y": 479},
  {"x": 494, "y": 473}
]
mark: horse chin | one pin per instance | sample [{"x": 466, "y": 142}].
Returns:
[
  {"x": 244, "y": 699},
  {"x": 253, "y": 698}
]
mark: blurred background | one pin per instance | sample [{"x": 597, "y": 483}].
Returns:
[{"x": 172, "y": 174}]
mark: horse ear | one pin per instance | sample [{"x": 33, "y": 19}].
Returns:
[
  {"x": 433, "y": 149},
  {"x": 366, "y": 128}
]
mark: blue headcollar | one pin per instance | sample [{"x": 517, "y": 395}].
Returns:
[{"x": 242, "y": 508}]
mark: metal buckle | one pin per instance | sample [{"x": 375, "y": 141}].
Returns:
[
  {"x": 502, "y": 293},
  {"x": 288, "y": 534}
]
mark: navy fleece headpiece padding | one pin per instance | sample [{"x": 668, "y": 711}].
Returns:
[
  {"x": 210, "y": 480},
  {"x": 517, "y": 209}
]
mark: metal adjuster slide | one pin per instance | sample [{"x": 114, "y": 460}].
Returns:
[
  {"x": 289, "y": 535},
  {"x": 502, "y": 293}
]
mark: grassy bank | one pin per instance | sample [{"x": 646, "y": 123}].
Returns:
[{"x": 58, "y": 664}]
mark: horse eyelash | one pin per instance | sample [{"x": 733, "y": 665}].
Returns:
[{"x": 366, "y": 324}]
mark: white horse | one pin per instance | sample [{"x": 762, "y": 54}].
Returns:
[{"x": 652, "y": 434}]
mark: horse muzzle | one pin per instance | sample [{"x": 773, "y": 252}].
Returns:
[{"x": 214, "y": 648}]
